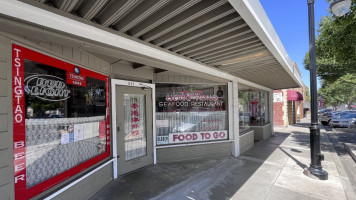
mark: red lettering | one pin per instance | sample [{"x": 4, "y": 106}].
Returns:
[
  {"x": 222, "y": 134},
  {"x": 134, "y": 120},
  {"x": 188, "y": 137},
  {"x": 207, "y": 135},
  {"x": 175, "y": 137},
  {"x": 195, "y": 136},
  {"x": 135, "y": 113},
  {"x": 181, "y": 137},
  {"x": 216, "y": 135}
]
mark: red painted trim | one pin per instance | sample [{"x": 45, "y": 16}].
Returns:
[
  {"x": 18, "y": 105},
  {"x": 18, "y": 55}
]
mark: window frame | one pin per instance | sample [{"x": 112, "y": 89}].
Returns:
[{"x": 19, "y": 54}]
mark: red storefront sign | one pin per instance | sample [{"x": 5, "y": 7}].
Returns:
[
  {"x": 76, "y": 79},
  {"x": 19, "y": 54},
  {"x": 202, "y": 136}
]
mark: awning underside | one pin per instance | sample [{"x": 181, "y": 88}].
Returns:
[{"x": 209, "y": 32}]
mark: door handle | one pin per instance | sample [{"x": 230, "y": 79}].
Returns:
[{"x": 118, "y": 129}]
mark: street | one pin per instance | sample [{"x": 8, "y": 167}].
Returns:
[{"x": 339, "y": 136}]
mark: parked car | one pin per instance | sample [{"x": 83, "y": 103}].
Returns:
[
  {"x": 338, "y": 114},
  {"x": 200, "y": 122},
  {"x": 324, "y": 110},
  {"x": 350, "y": 111},
  {"x": 55, "y": 116},
  {"x": 325, "y": 118},
  {"x": 345, "y": 121}
]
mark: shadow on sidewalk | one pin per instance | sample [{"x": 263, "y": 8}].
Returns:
[
  {"x": 215, "y": 177},
  {"x": 302, "y": 124},
  {"x": 212, "y": 178},
  {"x": 300, "y": 164}
]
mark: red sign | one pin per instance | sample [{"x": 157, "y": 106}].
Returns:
[
  {"x": 19, "y": 138},
  {"x": 202, "y": 136},
  {"x": 76, "y": 79},
  {"x": 102, "y": 129},
  {"x": 135, "y": 120},
  {"x": 19, "y": 121}
]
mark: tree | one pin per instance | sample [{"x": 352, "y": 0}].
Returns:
[
  {"x": 336, "y": 46},
  {"x": 343, "y": 90},
  {"x": 307, "y": 93}
]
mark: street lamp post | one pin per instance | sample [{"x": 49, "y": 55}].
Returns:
[
  {"x": 339, "y": 8},
  {"x": 315, "y": 168}
]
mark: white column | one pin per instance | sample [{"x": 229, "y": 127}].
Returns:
[
  {"x": 234, "y": 110},
  {"x": 270, "y": 110}
]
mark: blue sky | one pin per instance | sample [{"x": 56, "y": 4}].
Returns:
[{"x": 290, "y": 20}]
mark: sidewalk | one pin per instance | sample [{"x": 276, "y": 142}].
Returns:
[{"x": 272, "y": 169}]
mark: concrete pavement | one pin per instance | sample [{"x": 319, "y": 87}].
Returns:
[
  {"x": 272, "y": 169},
  {"x": 343, "y": 141},
  {"x": 351, "y": 149}
]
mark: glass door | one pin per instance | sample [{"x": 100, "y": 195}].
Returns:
[{"x": 134, "y": 127}]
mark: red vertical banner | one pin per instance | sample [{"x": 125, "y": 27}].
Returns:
[
  {"x": 107, "y": 115},
  {"x": 18, "y": 101},
  {"x": 135, "y": 119}
]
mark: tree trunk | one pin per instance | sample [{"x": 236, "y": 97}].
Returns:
[{"x": 349, "y": 104}]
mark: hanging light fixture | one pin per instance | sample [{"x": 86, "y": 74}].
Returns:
[{"x": 340, "y": 7}]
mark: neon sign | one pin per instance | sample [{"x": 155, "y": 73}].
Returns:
[{"x": 46, "y": 87}]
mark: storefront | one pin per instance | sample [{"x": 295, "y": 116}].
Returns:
[
  {"x": 82, "y": 103},
  {"x": 289, "y": 106},
  {"x": 65, "y": 126},
  {"x": 295, "y": 105},
  {"x": 60, "y": 119},
  {"x": 254, "y": 113},
  {"x": 191, "y": 117}
]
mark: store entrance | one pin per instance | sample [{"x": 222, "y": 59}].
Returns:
[{"x": 133, "y": 126}]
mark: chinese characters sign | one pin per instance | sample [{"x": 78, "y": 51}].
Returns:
[{"x": 135, "y": 129}]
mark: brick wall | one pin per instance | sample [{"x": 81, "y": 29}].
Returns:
[{"x": 278, "y": 111}]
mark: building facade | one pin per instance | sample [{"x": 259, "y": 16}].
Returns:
[
  {"x": 290, "y": 105},
  {"x": 92, "y": 90}
]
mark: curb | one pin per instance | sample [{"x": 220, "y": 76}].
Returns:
[
  {"x": 342, "y": 173},
  {"x": 351, "y": 150}
]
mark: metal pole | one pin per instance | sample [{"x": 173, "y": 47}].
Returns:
[{"x": 315, "y": 168}]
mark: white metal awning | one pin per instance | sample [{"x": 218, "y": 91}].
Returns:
[{"x": 232, "y": 36}]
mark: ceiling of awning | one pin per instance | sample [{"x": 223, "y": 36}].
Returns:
[{"x": 209, "y": 32}]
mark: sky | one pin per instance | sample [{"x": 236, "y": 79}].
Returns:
[{"x": 290, "y": 20}]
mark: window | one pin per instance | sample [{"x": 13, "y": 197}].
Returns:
[
  {"x": 60, "y": 120},
  {"x": 190, "y": 113},
  {"x": 253, "y": 109}
]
